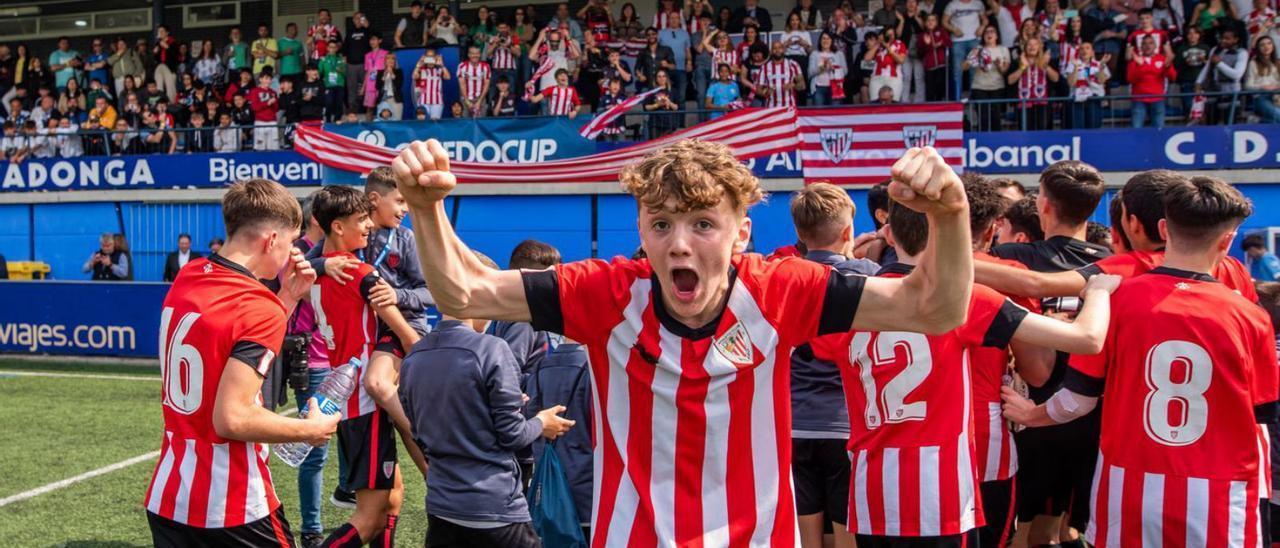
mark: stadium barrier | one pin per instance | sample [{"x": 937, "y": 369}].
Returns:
[{"x": 81, "y": 318}]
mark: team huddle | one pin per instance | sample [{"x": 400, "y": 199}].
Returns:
[{"x": 935, "y": 397}]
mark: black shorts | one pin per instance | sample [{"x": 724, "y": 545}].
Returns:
[
  {"x": 1055, "y": 469},
  {"x": 820, "y": 470},
  {"x": 446, "y": 534},
  {"x": 962, "y": 540},
  {"x": 997, "y": 505},
  {"x": 388, "y": 342},
  {"x": 272, "y": 530},
  {"x": 369, "y": 451}
]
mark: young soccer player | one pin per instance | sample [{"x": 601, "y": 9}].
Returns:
[
  {"x": 348, "y": 319},
  {"x": 1056, "y": 464},
  {"x": 697, "y": 335},
  {"x": 909, "y": 397},
  {"x": 1189, "y": 374},
  {"x": 221, "y": 330},
  {"x": 1141, "y": 208},
  {"x": 823, "y": 216}
]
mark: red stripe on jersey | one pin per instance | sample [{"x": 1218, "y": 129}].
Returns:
[
  {"x": 740, "y": 469},
  {"x": 640, "y": 372},
  {"x": 173, "y": 482},
  {"x": 472, "y": 77},
  {"x": 237, "y": 491},
  {"x": 1174, "y": 510},
  {"x": 784, "y": 525},
  {"x": 691, "y": 442},
  {"x": 198, "y": 507},
  {"x": 908, "y": 481}
]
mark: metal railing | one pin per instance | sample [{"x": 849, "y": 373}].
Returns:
[{"x": 1116, "y": 111}]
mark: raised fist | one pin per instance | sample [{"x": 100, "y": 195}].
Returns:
[
  {"x": 923, "y": 181},
  {"x": 422, "y": 173}
]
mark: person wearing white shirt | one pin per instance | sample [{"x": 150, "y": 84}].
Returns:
[
  {"x": 45, "y": 142},
  {"x": 178, "y": 259},
  {"x": 69, "y": 143}
]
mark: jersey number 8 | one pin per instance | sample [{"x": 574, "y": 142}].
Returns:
[
  {"x": 887, "y": 406},
  {"x": 1183, "y": 401},
  {"x": 181, "y": 364}
]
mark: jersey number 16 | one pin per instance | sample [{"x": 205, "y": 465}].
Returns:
[{"x": 181, "y": 365}]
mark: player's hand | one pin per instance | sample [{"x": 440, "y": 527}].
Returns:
[
  {"x": 860, "y": 245},
  {"x": 553, "y": 425},
  {"x": 422, "y": 173},
  {"x": 923, "y": 181},
  {"x": 1101, "y": 283},
  {"x": 383, "y": 295},
  {"x": 298, "y": 276},
  {"x": 1017, "y": 408},
  {"x": 322, "y": 426},
  {"x": 337, "y": 267}
]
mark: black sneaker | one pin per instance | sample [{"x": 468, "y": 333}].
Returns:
[
  {"x": 312, "y": 540},
  {"x": 343, "y": 499}
]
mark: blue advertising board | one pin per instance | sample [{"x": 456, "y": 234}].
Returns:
[
  {"x": 1195, "y": 147},
  {"x": 81, "y": 318},
  {"x": 156, "y": 171}
]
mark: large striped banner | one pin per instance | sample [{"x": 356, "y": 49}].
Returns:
[{"x": 858, "y": 145}]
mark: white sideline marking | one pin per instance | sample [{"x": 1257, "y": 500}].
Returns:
[
  {"x": 5, "y": 372},
  {"x": 92, "y": 474}
]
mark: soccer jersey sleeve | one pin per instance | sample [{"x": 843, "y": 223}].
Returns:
[
  {"x": 1086, "y": 375},
  {"x": 1123, "y": 265},
  {"x": 1265, "y": 375},
  {"x": 259, "y": 333},
  {"x": 368, "y": 280},
  {"x": 576, "y": 299},
  {"x": 992, "y": 319},
  {"x": 813, "y": 299}
]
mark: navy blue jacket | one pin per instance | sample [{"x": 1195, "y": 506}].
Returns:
[
  {"x": 399, "y": 266},
  {"x": 529, "y": 346},
  {"x": 461, "y": 391},
  {"x": 817, "y": 397},
  {"x": 562, "y": 379}
]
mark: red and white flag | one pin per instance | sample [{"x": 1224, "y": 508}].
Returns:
[
  {"x": 749, "y": 133},
  {"x": 598, "y": 124},
  {"x": 858, "y": 145}
]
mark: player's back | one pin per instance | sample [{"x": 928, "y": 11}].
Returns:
[
  {"x": 1184, "y": 371},
  {"x": 348, "y": 325},
  {"x": 216, "y": 310},
  {"x": 1230, "y": 271}
]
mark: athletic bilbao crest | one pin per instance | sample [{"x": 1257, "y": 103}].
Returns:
[
  {"x": 393, "y": 260},
  {"x": 735, "y": 345},
  {"x": 836, "y": 143},
  {"x": 388, "y": 468},
  {"x": 919, "y": 136}
]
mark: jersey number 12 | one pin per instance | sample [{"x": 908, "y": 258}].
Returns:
[{"x": 888, "y": 405}]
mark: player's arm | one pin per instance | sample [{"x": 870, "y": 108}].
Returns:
[
  {"x": 296, "y": 281},
  {"x": 237, "y": 415},
  {"x": 1027, "y": 283},
  {"x": 935, "y": 296},
  {"x": 1033, "y": 363},
  {"x": 415, "y": 294},
  {"x": 462, "y": 286},
  {"x": 1063, "y": 407},
  {"x": 1086, "y": 334}
]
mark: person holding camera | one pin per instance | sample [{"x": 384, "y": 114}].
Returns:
[
  {"x": 108, "y": 263},
  {"x": 444, "y": 28},
  {"x": 502, "y": 50},
  {"x": 428, "y": 84}
]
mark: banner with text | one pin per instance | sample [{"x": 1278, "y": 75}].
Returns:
[
  {"x": 81, "y": 318},
  {"x": 157, "y": 171}
]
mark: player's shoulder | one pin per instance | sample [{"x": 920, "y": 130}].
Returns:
[
  {"x": 992, "y": 259},
  {"x": 753, "y": 268}
]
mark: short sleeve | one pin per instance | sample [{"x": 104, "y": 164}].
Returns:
[
  {"x": 576, "y": 299},
  {"x": 368, "y": 281},
  {"x": 992, "y": 319},
  {"x": 1265, "y": 375},
  {"x": 258, "y": 336},
  {"x": 1086, "y": 374},
  {"x": 830, "y": 348}
]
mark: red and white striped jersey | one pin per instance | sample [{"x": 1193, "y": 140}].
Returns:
[
  {"x": 561, "y": 100},
  {"x": 1185, "y": 374},
  {"x": 693, "y": 437},
  {"x": 886, "y": 65},
  {"x": 321, "y": 35},
  {"x": 661, "y": 18},
  {"x": 472, "y": 78},
  {"x": 727, "y": 56},
  {"x": 1161, "y": 37},
  {"x": 1257, "y": 18},
  {"x": 775, "y": 75},
  {"x": 215, "y": 311},
  {"x": 501, "y": 58},
  {"x": 428, "y": 85},
  {"x": 349, "y": 327},
  {"x": 1230, "y": 271},
  {"x": 910, "y": 419}
]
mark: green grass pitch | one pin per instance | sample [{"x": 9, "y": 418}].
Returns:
[{"x": 56, "y": 427}]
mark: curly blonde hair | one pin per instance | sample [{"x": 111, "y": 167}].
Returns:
[{"x": 696, "y": 174}]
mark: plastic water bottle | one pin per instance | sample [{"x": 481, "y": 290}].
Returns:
[{"x": 333, "y": 392}]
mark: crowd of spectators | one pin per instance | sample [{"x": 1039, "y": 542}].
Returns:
[{"x": 1056, "y": 63}]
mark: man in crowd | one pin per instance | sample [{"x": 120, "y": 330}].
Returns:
[
  {"x": 107, "y": 263},
  {"x": 178, "y": 259},
  {"x": 1263, "y": 265}
]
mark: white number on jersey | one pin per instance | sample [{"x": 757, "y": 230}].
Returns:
[
  {"x": 181, "y": 364},
  {"x": 1184, "y": 400},
  {"x": 887, "y": 405},
  {"x": 322, "y": 320}
]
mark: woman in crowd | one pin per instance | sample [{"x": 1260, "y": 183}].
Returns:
[
  {"x": 444, "y": 28},
  {"x": 827, "y": 70},
  {"x": 1212, "y": 16},
  {"x": 750, "y": 37},
  {"x": 1053, "y": 27},
  {"x": 209, "y": 68},
  {"x": 720, "y": 46},
  {"x": 71, "y": 96},
  {"x": 811, "y": 16},
  {"x": 1071, "y": 40},
  {"x": 485, "y": 27},
  {"x": 37, "y": 77},
  {"x": 724, "y": 18},
  {"x": 1087, "y": 79},
  {"x": 1189, "y": 57},
  {"x": 663, "y": 118},
  {"x": 913, "y": 67},
  {"x": 391, "y": 88},
  {"x": 988, "y": 65},
  {"x": 1034, "y": 74},
  {"x": 933, "y": 46},
  {"x": 1262, "y": 77},
  {"x": 799, "y": 45}
]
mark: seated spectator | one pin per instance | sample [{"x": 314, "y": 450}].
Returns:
[
  {"x": 71, "y": 96},
  {"x": 723, "y": 95},
  {"x": 1149, "y": 73},
  {"x": 660, "y": 105},
  {"x": 1223, "y": 74},
  {"x": 562, "y": 99},
  {"x": 108, "y": 262},
  {"x": 1262, "y": 77},
  {"x": 199, "y": 138},
  {"x": 826, "y": 72},
  {"x": 17, "y": 113},
  {"x": 988, "y": 64},
  {"x": 933, "y": 47},
  {"x": 1087, "y": 79},
  {"x": 226, "y": 138},
  {"x": 69, "y": 142},
  {"x": 428, "y": 84},
  {"x": 1032, "y": 74}
]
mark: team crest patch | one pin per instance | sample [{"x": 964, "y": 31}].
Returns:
[
  {"x": 393, "y": 260},
  {"x": 388, "y": 468},
  {"x": 836, "y": 143},
  {"x": 919, "y": 136},
  {"x": 735, "y": 345}
]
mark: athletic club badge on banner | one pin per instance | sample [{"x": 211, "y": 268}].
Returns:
[{"x": 858, "y": 145}]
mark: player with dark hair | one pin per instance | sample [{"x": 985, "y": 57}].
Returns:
[
  {"x": 1056, "y": 464},
  {"x": 1119, "y": 240},
  {"x": 1010, "y": 189},
  {"x": 221, "y": 329},
  {"x": 1098, "y": 234},
  {"x": 915, "y": 481},
  {"x": 1020, "y": 223},
  {"x": 698, "y": 335},
  {"x": 1190, "y": 375},
  {"x": 348, "y": 319}
]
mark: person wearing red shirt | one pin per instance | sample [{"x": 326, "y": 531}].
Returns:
[
  {"x": 698, "y": 335},
  {"x": 1149, "y": 74},
  {"x": 1190, "y": 377},
  {"x": 933, "y": 46},
  {"x": 221, "y": 329},
  {"x": 1147, "y": 27},
  {"x": 266, "y": 106},
  {"x": 911, "y": 441},
  {"x": 888, "y": 60}
]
